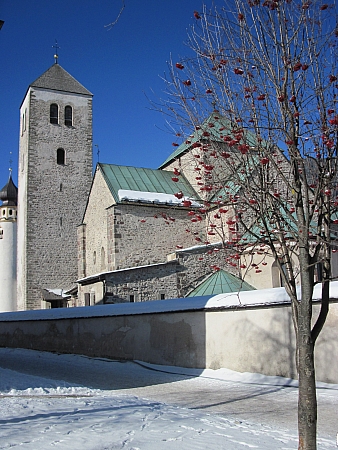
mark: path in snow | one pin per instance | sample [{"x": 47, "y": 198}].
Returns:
[
  {"x": 127, "y": 423},
  {"x": 262, "y": 412}
]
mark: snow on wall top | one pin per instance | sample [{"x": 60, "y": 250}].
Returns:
[
  {"x": 152, "y": 197},
  {"x": 258, "y": 298}
]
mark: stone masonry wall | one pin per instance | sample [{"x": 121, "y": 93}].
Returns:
[
  {"x": 140, "y": 234},
  {"x": 56, "y": 194},
  {"x": 95, "y": 220},
  {"x": 81, "y": 249},
  {"x": 134, "y": 285},
  {"x": 143, "y": 284},
  {"x": 196, "y": 264},
  {"x": 184, "y": 271}
]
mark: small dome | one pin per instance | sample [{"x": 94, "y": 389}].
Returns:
[{"x": 9, "y": 193}]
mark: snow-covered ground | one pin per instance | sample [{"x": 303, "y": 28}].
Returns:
[{"x": 74, "y": 402}]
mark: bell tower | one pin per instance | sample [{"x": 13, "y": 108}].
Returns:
[
  {"x": 55, "y": 172},
  {"x": 8, "y": 235}
]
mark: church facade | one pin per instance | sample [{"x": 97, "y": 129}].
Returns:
[
  {"x": 139, "y": 242},
  {"x": 125, "y": 234}
]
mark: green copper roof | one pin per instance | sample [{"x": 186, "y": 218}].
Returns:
[
  {"x": 221, "y": 282},
  {"x": 287, "y": 224},
  {"x": 220, "y": 127},
  {"x": 197, "y": 136},
  {"x": 230, "y": 187},
  {"x": 144, "y": 180}
]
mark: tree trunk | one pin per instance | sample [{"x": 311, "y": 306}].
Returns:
[{"x": 307, "y": 401}]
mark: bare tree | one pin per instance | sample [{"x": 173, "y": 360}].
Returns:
[
  {"x": 264, "y": 75},
  {"x": 112, "y": 24}
]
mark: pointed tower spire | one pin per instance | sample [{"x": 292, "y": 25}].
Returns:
[
  {"x": 9, "y": 193},
  {"x": 8, "y": 237}
]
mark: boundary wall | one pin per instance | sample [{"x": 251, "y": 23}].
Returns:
[{"x": 201, "y": 332}]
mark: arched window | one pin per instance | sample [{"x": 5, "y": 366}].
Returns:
[
  {"x": 23, "y": 125},
  {"x": 68, "y": 116},
  {"x": 275, "y": 276},
  {"x": 277, "y": 279},
  {"x": 60, "y": 156},
  {"x": 54, "y": 113}
]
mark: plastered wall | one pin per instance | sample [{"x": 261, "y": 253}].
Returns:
[{"x": 243, "y": 339}]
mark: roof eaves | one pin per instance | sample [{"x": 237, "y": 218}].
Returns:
[{"x": 102, "y": 275}]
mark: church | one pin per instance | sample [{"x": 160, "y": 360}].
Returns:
[{"x": 124, "y": 234}]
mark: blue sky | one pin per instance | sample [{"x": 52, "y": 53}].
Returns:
[{"x": 119, "y": 66}]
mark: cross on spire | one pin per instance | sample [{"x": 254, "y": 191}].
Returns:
[
  {"x": 10, "y": 163},
  {"x": 56, "y": 46}
]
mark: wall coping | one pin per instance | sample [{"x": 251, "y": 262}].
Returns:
[{"x": 263, "y": 298}]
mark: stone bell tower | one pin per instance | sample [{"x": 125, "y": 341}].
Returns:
[
  {"x": 8, "y": 236},
  {"x": 55, "y": 172}
]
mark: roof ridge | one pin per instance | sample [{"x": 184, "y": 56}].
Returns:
[
  {"x": 212, "y": 133},
  {"x": 58, "y": 79}
]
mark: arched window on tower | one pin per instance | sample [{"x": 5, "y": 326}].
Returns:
[
  {"x": 54, "y": 113},
  {"x": 60, "y": 156},
  {"x": 68, "y": 116}
]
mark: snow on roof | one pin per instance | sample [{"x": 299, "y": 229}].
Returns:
[
  {"x": 153, "y": 197},
  {"x": 201, "y": 247},
  {"x": 101, "y": 274},
  {"x": 258, "y": 298},
  {"x": 142, "y": 180},
  {"x": 60, "y": 292}
]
